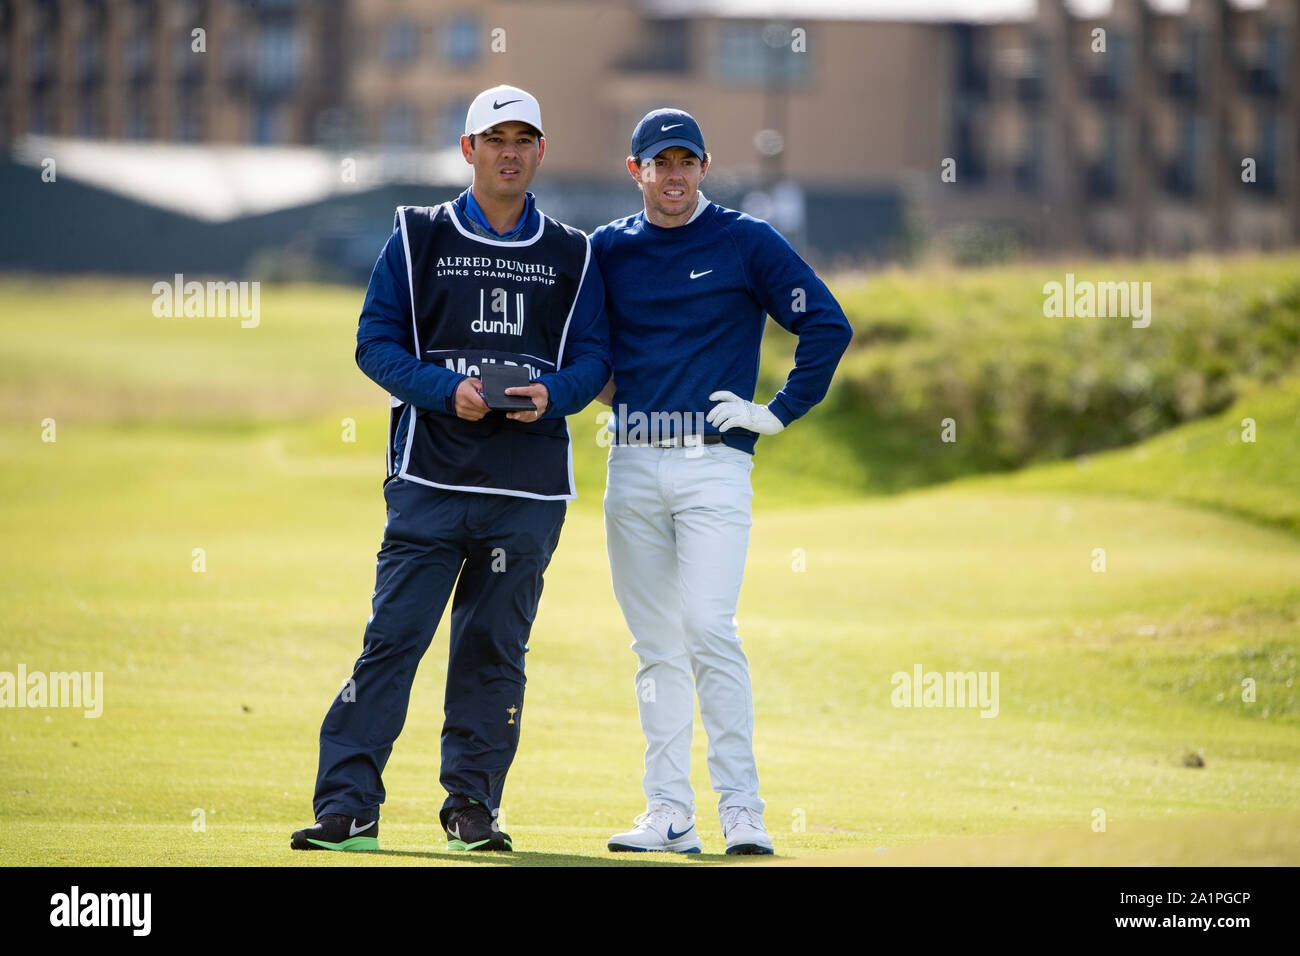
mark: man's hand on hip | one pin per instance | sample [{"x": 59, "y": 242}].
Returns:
[
  {"x": 469, "y": 400},
  {"x": 734, "y": 412},
  {"x": 540, "y": 396}
]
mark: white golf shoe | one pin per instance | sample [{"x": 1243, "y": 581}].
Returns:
[
  {"x": 744, "y": 832},
  {"x": 661, "y": 827}
]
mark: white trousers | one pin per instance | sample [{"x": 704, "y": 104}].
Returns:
[{"x": 677, "y": 530}]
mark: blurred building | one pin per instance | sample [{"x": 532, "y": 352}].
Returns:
[
  {"x": 856, "y": 125},
  {"x": 1155, "y": 128},
  {"x": 178, "y": 70}
]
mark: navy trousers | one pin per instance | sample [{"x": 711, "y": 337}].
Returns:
[{"x": 499, "y": 546}]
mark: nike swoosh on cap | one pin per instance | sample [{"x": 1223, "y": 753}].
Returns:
[
  {"x": 696, "y": 275},
  {"x": 353, "y": 829},
  {"x": 664, "y": 129},
  {"x": 497, "y": 106}
]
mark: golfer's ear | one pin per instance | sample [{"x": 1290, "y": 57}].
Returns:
[
  {"x": 466, "y": 151},
  {"x": 541, "y": 147},
  {"x": 633, "y": 169}
]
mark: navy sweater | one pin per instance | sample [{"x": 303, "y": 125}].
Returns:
[{"x": 686, "y": 311}]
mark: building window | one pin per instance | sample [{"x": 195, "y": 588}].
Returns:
[
  {"x": 46, "y": 16},
  {"x": 89, "y": 125},
  {"x": 1028, "y": 165},
  {"x": 187, "y": 63},
  {"x": 41, "y": 61},
  {"x": 1109, "y": 78},
  {"x": 665, "y": 48},
  {"x": 189, "y": 122},
  {"x": 278, "y": 50},
  {"x": 1025, "y": 69},
  {"x": 90, "y": 60},
  {"x": 970, "y": 52},
  {"x": 139, "y": 118},
  {"x": 401, "y": 43},
  {"x": 42, "y": 50},
  {"x": 268, "y": 122},
  {"x": 756, "y": 54},
  {"x": 969, "y": 131},
  {"x": 138, "y": 58},
  {"x": 38, "y": 113},
  {"x": 138, "y": 55},
  {"x": 459, "y": 43},
  {"x": 1266, "y": 75},
  {"x": 1182, "y": 176},
  {"x": 1183, "y": 68},
  {"x": 234, "y": 58},
  {"x": 449, "y": 125},
  {"x": 1103, "y": 172}
]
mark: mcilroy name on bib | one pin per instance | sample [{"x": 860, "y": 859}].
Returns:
[{"x": 474, "y": 301}]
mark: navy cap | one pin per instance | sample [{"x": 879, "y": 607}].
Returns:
[{"x": 663, "y": 128}]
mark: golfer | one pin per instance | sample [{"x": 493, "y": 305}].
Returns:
[
  {"x": 688, "y": 284},
  {"x": 476, "y": 497}
]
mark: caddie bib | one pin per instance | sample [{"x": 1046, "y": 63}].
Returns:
[{"x": 474, "y": 301}]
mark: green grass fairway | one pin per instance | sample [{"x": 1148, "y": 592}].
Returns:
[
  {"x": 1120, "y": 692},
  {"x": 1265, "y": 839}
]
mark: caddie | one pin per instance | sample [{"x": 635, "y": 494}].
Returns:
[{"x": 464, "y": 294}]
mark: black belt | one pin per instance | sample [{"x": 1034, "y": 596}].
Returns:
[{"x": 680, "y": 441}]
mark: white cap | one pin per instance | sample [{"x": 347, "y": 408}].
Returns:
[{"x": 502, "y": 104}]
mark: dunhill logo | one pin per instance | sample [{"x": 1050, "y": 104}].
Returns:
[{"x": 500, "y": 306}]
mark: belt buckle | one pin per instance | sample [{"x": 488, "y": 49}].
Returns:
[{"x": 679, "y": 441}]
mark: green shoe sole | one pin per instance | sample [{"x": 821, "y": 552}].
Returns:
[
  {"x": 462, "y": 845},
  {"x": 355, "y": 843}
]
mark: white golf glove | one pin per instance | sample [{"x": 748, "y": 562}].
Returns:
[{"x": 734, "y": 412}]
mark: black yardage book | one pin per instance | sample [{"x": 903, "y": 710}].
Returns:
[{"x": 496, "y": 378}]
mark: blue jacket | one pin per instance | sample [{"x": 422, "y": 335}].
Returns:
[
  {"x": 386, "y": 350},
  {"x": 687, "y": 309}
]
